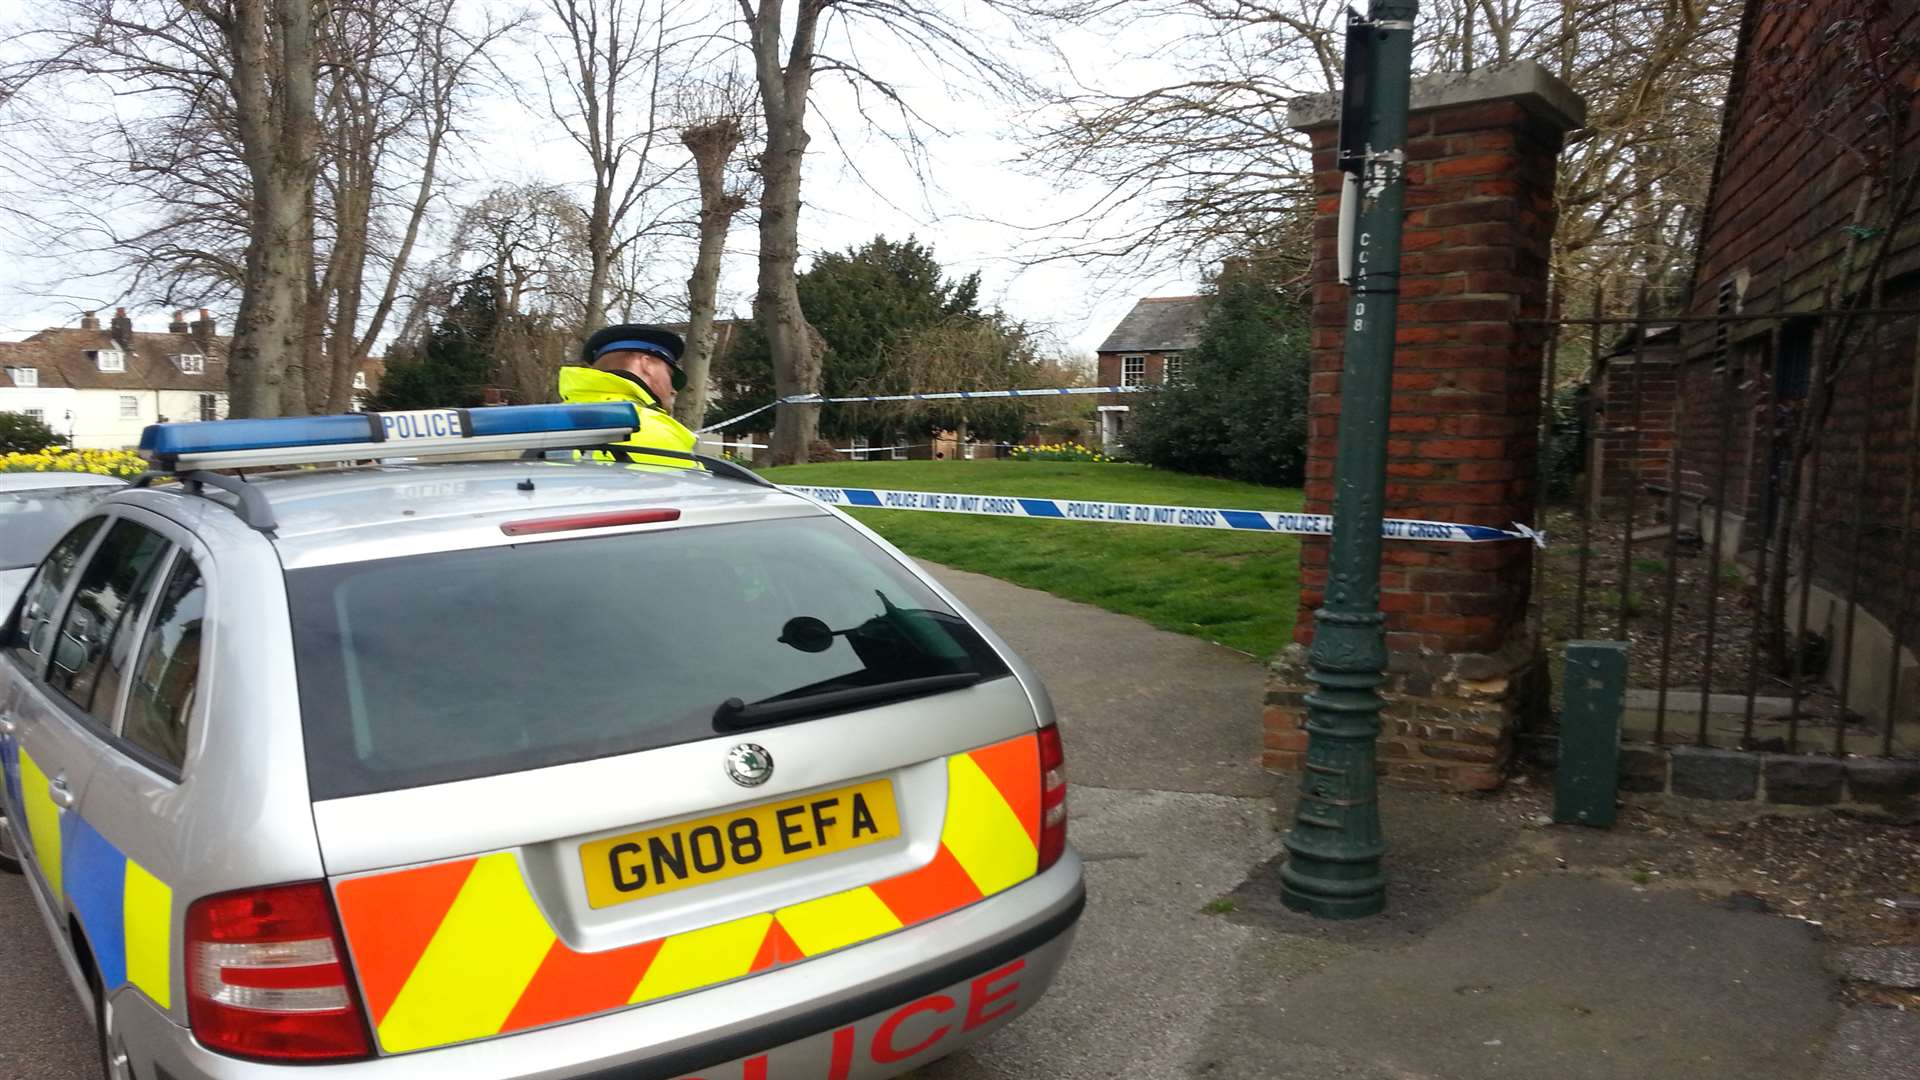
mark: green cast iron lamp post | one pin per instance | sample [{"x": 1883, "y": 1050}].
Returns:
[{"x": 1333, "y": 866}]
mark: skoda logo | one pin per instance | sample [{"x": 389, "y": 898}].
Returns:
[{"x": 749, "y": 764}]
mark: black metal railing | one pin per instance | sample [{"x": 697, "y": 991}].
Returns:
[{"x": 1744, "y": 521}]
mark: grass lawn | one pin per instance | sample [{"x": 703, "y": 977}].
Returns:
[{"x": 1236, "y": 588}]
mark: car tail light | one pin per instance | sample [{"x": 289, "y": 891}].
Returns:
[
  {"x": 1053, "y": 797},
  {"x": 267, "y": 976}
]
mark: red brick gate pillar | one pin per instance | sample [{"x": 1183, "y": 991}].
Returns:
[{"x": 1462, "y": 443}]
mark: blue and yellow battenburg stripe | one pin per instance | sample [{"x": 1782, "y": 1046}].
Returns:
[
  {"x": 126, "y": 911},
  {"x": 10, "y": 777}
]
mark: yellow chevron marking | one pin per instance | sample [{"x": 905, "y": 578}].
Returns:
[
  {"x": 983, "y": 833},
  {"x": 148, "y": 916},
  {"x": 836, "y": 921},
  {"x": 703, "y": 957},
  {"x": 478, "y": 964},
  {"x": 43, "y": 820}
]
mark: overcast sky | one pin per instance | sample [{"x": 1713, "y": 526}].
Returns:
[{"x": 971, "y": 185}]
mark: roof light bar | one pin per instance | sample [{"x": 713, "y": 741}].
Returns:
[{"x": 298, "y": 440}]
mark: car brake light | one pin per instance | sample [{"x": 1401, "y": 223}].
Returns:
[
  {"x": 267, "y": 976},
  {"x": 1053, "y": 797},
  {"x": 535, "y": 526}
]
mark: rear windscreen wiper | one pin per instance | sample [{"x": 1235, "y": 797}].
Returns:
[{"x": 734, "y": 714}]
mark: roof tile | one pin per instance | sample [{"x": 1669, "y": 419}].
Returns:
[{"x": 1159, "y": 324}]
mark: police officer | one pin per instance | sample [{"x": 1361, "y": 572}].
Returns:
[{"x": 638, "y": 364}]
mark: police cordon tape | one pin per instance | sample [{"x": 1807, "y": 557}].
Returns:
[
  {"x": 1180, "y": 517},
  {"x": 944, "y": 395}
]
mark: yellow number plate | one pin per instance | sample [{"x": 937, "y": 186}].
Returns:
[{"x": 638, "y": 865}]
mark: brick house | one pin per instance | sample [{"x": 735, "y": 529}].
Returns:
[
  {"x": 1145, "y": 349},
  {"x": 101, "y": 387},
  {"x": 1634, "y": 404},
  {"x": 1777, "y": 223}
]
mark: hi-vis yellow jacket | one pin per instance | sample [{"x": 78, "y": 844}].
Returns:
[{"x": 658, "y": 429}]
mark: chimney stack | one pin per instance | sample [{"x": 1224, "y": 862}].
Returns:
[
  {"x": 122, "y": 329},
  {"x": 89, "y": 320},
  {"x": 179, "y": 323},
  {"x": 203, "y": 331}
]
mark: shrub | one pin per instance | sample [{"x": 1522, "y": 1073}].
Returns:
[
  {"x": 1566, "y": 449},
  {"x": 22, "y": 434},
  {"x": 1241, "y": 411}
]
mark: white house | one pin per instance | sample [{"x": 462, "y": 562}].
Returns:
[{"x": 100, "y": 388}]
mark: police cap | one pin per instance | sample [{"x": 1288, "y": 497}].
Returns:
[{"x": 638, "y": 337}]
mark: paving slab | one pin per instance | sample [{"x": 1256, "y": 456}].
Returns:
[
  {"x": 45, "y": 1032},
  {"x": 1572, "y": 977},
  {"x": 1897, "y": 966},
  {"x": 1875, "y": 1043},
  {"x": 1489, "y": 963},
  {"x": 1145, "y": 975}
]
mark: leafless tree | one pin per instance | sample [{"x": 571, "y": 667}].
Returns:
[
  {"x": 606, "y": 84},
  {"x": 713, "y": 121},
  {"x": 786, "y": 60},
  {"x": 1205, "y": 165},
  {"x": 398, "y": 74},
  {"x": 532, "y": 242},
  {"x": 282, "y": 150}
]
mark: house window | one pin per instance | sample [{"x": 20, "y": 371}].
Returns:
[
  {"x": 1793, "y": 369},
  {"x": 190, "y": 363},
  {"x": 900, "y": 447},
  {"x": 24, "y": 376},
  {"x": 129, "y": 407},
  {"x": 1176, "y": 366},
  {"x": 359, "y": 380},
  {"x": 110, "y": 359},
  {"x": 1133, "y": 370},
  {"x": 860, "y": 446},
  {"x": 1723, "y": 305},
  {"x": 209, "y": 407},
  {"x": 37, "y": 415}
]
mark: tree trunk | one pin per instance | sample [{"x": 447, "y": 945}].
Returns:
[
  {"x": 600, "y": 247},
  {"x": 273, "y": 84},
  {"x": 712, "y": 145},
  {"x": 796, "y": 370},
  {"x": 783, "y": 97}
]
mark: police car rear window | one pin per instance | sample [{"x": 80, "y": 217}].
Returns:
[{"x": 461, "y": 664}]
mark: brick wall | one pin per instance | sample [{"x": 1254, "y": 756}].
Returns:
[
  {"x": 1463, "y": 437},
  {"x": 1636, "y": 399},
  {"x": 1785, "y": 189},
  {"x": 1109, "y": 372},
  {"x": 1462, "y": 441}
]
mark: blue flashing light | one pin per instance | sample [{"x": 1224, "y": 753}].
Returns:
[
  {"x": 212, "y": 436},
  {"x": 311, "y": 438},
  {"x": 528, "y": 419}
]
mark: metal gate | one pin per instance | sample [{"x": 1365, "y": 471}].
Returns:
[{"x": 1736, "y": 500}]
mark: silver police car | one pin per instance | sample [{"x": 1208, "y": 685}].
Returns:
[{"x": 519, "y": 768}]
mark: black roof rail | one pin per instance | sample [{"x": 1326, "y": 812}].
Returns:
[{"x": 253, "y": 507}]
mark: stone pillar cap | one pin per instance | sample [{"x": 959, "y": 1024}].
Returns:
[{"x": 1534, "y": 87}]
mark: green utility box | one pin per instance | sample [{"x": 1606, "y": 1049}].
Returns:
[{"x": 1595, "y": 698}]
